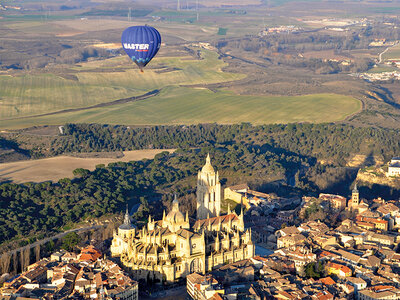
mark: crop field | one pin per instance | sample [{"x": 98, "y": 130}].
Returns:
[
  {"x": 183, "y": 105},
  {"x": 58, "y": 167},
  {"x": 392, "y": 53},
  {"x": 99, "y": 81}
]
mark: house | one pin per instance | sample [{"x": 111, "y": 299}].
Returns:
[
  {"x": 289, "y": 241},
  {"x": 287, "y": 231},
  {"x": 358, "y": 283},
  {"x": 323, "y": 295},
  {"x": 89, "y": 253},
  {"x": 349, "y": 257},
  {"x": 379, "y": 292},
  {"x": 338, "y": 269},
  {"x": 336, "y": 201}
]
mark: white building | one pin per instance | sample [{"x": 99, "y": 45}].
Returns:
[{"x": 394, "y": 167}]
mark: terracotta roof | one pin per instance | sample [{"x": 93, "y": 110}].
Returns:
[
  {"x": 325, "y": 295},
  {"x": 89, "y": 253},
  {"x": 327, "y": 281},
  {"x": 216, "y": 296},
  {"x": 342, "y": 268},
  {"x": 215, "y": 220},
  {"x": 195, "y": 278}
]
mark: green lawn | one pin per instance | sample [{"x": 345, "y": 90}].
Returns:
[{"x": 183, "y": 105}]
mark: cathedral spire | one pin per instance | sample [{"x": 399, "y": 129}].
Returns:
[
  {"x": 127, "y": 218},
  {"x": 175, "y": 203},
  {"x": 355, "y": 190},
  {"x": 216, "y": 247}
]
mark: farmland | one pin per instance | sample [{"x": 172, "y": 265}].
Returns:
[
  {"x": 183, "y": 105},
  {"x": 246, "y": 77},
  {"x": 392, "y": 52},
  {"x": 55, "y": 168},
  {"x": 102, "y": 81}
]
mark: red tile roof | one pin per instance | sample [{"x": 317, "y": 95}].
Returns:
[
  {"x": 215, "y": 220},
  {"x": 327, "y": 281},
  {"x": 89, "y": 253}
]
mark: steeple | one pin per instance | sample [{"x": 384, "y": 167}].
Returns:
[
  {"x": 127, "y": 218},
  {"x": 241, "y": 219},
  {"x": 127, "y": 225},
  {"x": 175, "y": 204},
  {"x": 355, "y": 190},
  {"x": 355, "y": 197},
  {"x": 217, "y": 243}
]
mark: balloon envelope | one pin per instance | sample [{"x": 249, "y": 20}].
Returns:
[{"x": 141, "y": 43}]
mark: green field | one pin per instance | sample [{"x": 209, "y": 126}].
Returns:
[
  {"x": 103, "y": 81},
  {"x": 182, "y": 105},
  {"x": 382, "y": 69},
  {"x": 183, "y": 98},
  {"x": 392, "y": 53}
]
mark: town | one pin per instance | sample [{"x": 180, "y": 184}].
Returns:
[{"x": 264, "y": 252}]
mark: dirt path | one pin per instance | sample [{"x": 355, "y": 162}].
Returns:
[{"x": 58, "y": 167}]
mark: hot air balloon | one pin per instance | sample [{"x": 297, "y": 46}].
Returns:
[{"x": 141, "y": 44}]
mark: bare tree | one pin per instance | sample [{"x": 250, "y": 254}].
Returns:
[
  {"x": 21, "y": 260},
  {"x": 37, "y": 252},
  {"x": 27, "y": 257},
  {"x": 15, "y": 262},
  {"x": 108, "y": 231},
  {"x": 5, "y": 262}
]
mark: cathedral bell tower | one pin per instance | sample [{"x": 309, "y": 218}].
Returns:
[
  {"x": 355, "y": 197},
  {"x": 208, "y": 192}
]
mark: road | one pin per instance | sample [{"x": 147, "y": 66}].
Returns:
[{"x": 384, "y": 51}]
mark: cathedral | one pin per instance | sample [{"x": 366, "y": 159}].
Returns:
[{"x": 174, "y": 247}]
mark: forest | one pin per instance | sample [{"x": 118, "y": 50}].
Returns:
[
  {"x": 242, "y": 153},
  {"x": 333, "y": 142}
]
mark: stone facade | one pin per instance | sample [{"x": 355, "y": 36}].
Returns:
[
  {"x": 172, "y": 248},
  {"x": 208, "y": 192}
]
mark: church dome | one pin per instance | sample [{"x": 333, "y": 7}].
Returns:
[
  {"x": 175, "y": 216},
  {"x": 207, "y": 168}
]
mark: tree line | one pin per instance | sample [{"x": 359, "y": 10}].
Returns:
[
  {"x": 335, "y": 142},
  {"x": 242, "y": 153}
]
